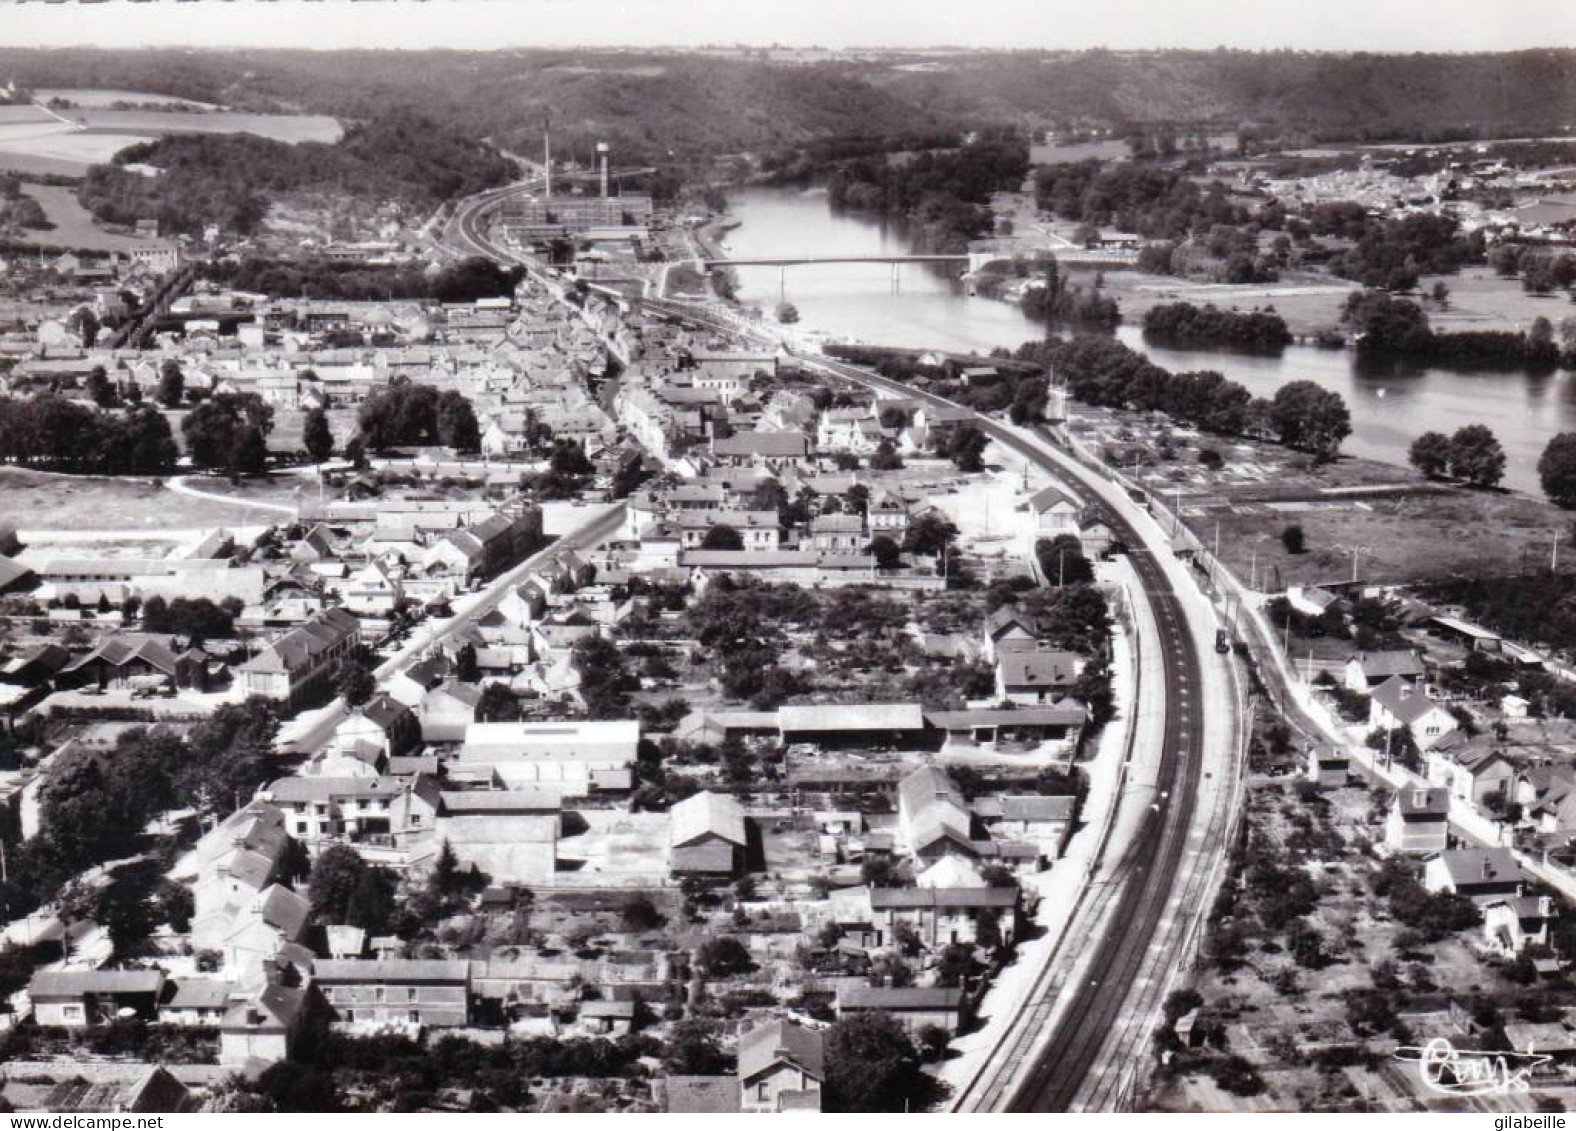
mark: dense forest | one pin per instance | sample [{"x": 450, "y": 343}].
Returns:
[
  {"x": 229, "y": 179},
  {"x": 947, "y": 192},
  {"x": 651, "y": 104}
]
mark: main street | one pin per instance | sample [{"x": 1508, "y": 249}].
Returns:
[{"x": 308, "y": 733}]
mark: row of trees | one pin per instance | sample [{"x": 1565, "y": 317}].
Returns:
[
  {"x": 1182, "y": 323},
  {"x": 465, "y": 281},
  {"x": 1301, "y": 415},
  {"x": 63, "y": 435},
  {"x": 1473, "y": 455},
  {"x": 1396, "y": 327},
  {"x": 413, "y": 414}
]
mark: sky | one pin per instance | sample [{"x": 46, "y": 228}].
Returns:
[{"x": 1340, "y": 25}]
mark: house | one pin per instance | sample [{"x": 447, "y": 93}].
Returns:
[
  {"x": 759, "y": 531},
  {"x": 854, "y": 725},
  {"x": 1312, "y": 601},
  {"x": 35, "y": 664},
  {"x": 277, "y": 917},
  {"x": 933, "y": 818},
  {"x": 425, "y": 992},
  {"x": 132, "y": 659},
  {"x": 75, "y": 998},
  {"x": 1041, "y": 820},
  {"x": 1471, "y": 774},
  {"x": 382, "y": 727},
  {"x": 838, "y": 533},
  {"x": 1055, "y": 513},
  {"x": 373, "y": 591},
  {"x": 1419, "y": 821},
  {"x": 1329, "y": 767},
  {"x": 67, "y": 1091},
  {"x": 1399, "y": 704},
  {"x": 1367, "y": 670},
  {"x": 1095, "y": 533},
  {"x": 350, "y": 810},
  {"x": 1512, "y": 922},
  {"x": 916, "y": 1007},
  {"x": 447, "y": 711},
  {"x": 1031, "y": 677},
  {"x": 1005, "y": 629},
  {"x": 263, "y": 1026},
  {"x": 234, "y": 862},
  {"x": 780, "y": 1058},
  {"x": 196, "y": 1002},
  {"x": 707, "y": 836},
  {"x": 887, "y": 514},
  {"x": 608, "y": 1018},
  {"x": 773, "y": 450},
  {"x": 301, "y": 662},
  {"x": 944, "y": 916},
  {"x": 1482, "y": 873}
]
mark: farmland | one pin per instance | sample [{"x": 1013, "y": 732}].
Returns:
[
  {"x": 106, "y": 99},
  {"x": 39, "y": 141}
]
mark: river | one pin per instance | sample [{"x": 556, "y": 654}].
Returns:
[{"x": 929, "y": 309}]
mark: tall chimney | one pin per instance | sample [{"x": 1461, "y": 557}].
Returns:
[
  {"x": 601, "y": 156},
  {"x": 547, "y": 159}
]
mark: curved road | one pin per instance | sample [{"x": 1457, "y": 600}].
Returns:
[{"x": 1154, "y": 860}]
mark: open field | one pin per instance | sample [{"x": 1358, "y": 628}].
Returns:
[
  {"x": 290, "y": 128},
  {"x": 104, "y": 99},
  {"x": 1308, "y": 303},
  {"x": 40, "y": 501},
  {"x": 1401, "y": 527},
  {"x": 74, "y": 226},
  {"x": 78, "y": 148}
]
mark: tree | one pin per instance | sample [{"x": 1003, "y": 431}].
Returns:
[
  {"x": 1476, "y": 456},
  {"x": 787, "y": 313},
  {"x": 721, "y": 957},
  {"x": 99, "y": 388},
  {"x": 172, "y": 384},
  {"x": 965, "y": 447},
  {"x": 1430, "y": 454},
  {"x": 692, "y": 1049},
  {"x": 605, "y": 678},
  {"x": 457, "y": 427},
  {"x": 886, "y": 457},
  {"x": 1441, "y": 294},
  {"x": 336, "y": 876},
  {"x": 249, "y": 456},
  {"x": 316, "y": 436},
  {"x": 1062, "y": 560},
  {"x": 213, "y": 431},
  {"x": 640, "y": 914},
  {"x": 1557, "y": 470},
  {"x": 1293, "y": 538},
  {"x": 871, "y": 1064},
  {"x": 1311, "y": 418},
  {"x": 722, "y": 537},
  {"x": 930, "y": 533},
  {"x": 887, "y": 553},
  {"x": 353, "y": 682}
]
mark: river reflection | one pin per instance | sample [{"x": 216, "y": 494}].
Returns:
[{"x": 924, "y": 305}]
